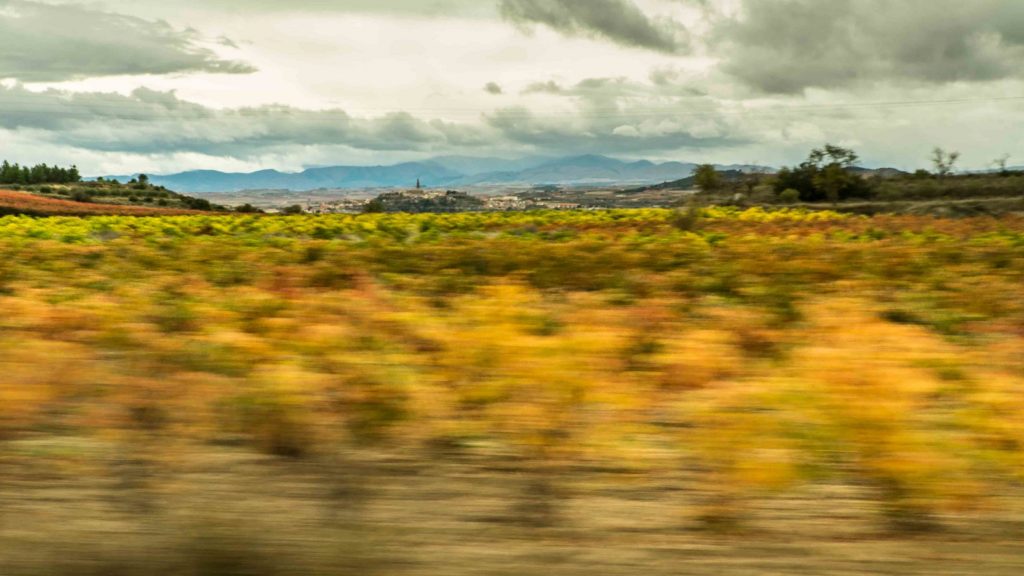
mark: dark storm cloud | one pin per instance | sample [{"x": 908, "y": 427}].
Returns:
[
  {"x": 42, "y": 42},
  {"x": 785, "y": 46},
  {"x": 620, "y": 21}
]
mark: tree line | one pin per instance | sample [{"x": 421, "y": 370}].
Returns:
[
  {"x": 38, "y": 174},
  {"x": 829, "y": 174},
  {"x": 824, "y": 176}
]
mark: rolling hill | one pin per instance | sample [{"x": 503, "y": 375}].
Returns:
[{"x": 13, "y": 203}]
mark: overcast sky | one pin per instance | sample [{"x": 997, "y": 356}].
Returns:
[{"x": 159, "y": 86}]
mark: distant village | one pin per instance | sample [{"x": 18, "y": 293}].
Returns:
[{"x": 420, "y": 199}]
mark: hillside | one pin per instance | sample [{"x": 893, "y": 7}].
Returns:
[
  {"x": 736, "y": 174},
  {"x": 25, "y": 203},
  {"x": 134, "y": 193},
  {"x": 689, "y": 182},
  {"x": 448, "y": 202}
]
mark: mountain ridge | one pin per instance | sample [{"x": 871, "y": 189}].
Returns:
[{"x": 444, "y": 171}]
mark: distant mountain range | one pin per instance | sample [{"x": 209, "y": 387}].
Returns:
[
  {"x": 878, "y": 172},
  {"x": 441, "y": 172}
]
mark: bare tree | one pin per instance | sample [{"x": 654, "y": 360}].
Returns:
[
  {"x": 944, "y": 162},
  {"x": 1001, "y": 162}
]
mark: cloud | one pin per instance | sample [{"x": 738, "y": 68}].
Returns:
[
  {"x": 627, "y": 131},
  {"x": 549, "y": 87},
  {"x": 148, "y": 121},
  {"x": 620, "y": 21},
  {"x": 584, "y": 134},
  {"x": 619, "y": 115},
  {"x": 492, "y": 88},
  {"x": 786, "y": 46},
  {"x": 392, "y": 7},
  {"x": 606, "y": 94},
  {"x": 49, "y": 43}
]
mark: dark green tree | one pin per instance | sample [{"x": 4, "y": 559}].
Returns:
[
  {"x": 38, "y": 174},
  {"x": 707, "y": 178},
  {"x": 825, "y": 175}
]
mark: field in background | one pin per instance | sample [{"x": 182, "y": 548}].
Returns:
[
  {"x": 708, "y": 391},
  {"x": 24, "y": 203}
]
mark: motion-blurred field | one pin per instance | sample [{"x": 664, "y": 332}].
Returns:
[{"x": 615, "y": 392}]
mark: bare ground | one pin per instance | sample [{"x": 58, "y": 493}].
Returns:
[{"x": 96, "y": 508}]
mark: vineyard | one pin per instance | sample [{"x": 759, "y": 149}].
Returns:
[
  {"x": 22, "y": 203},
  {"x": 388, "y": 392}
]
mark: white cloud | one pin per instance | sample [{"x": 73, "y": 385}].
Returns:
[
  {"x": 626, "y": 131},
  {"x": 40, "y": 42}
]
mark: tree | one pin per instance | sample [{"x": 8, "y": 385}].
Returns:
[
  {"x": 197, "y": 203},
  {"x": 831, "y": 180},
  {"x": 293, "y": 209},
  {"x": 825, "y": 175},
  {"x": 707, "y": 178},
  {"x": 248, "y": 209},
  {"x": 944, "y": 162},
  {"x": 38, "y": 174},
  {"x": 836, "y": 155},
  {"x": 751, "y": 180},
  {"x": 789, "y": 196},
  {"x": 143, "y": 179},
  {"x": 1000, "y": 163}
]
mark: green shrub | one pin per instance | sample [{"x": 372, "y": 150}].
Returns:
[
  {"x": 888, "y": 193},
  {"x": 687, "y": 219},
  {"x": 789, "y": 196}
]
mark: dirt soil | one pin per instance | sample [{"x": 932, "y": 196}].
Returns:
[{"x": 91, "y": 508}]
